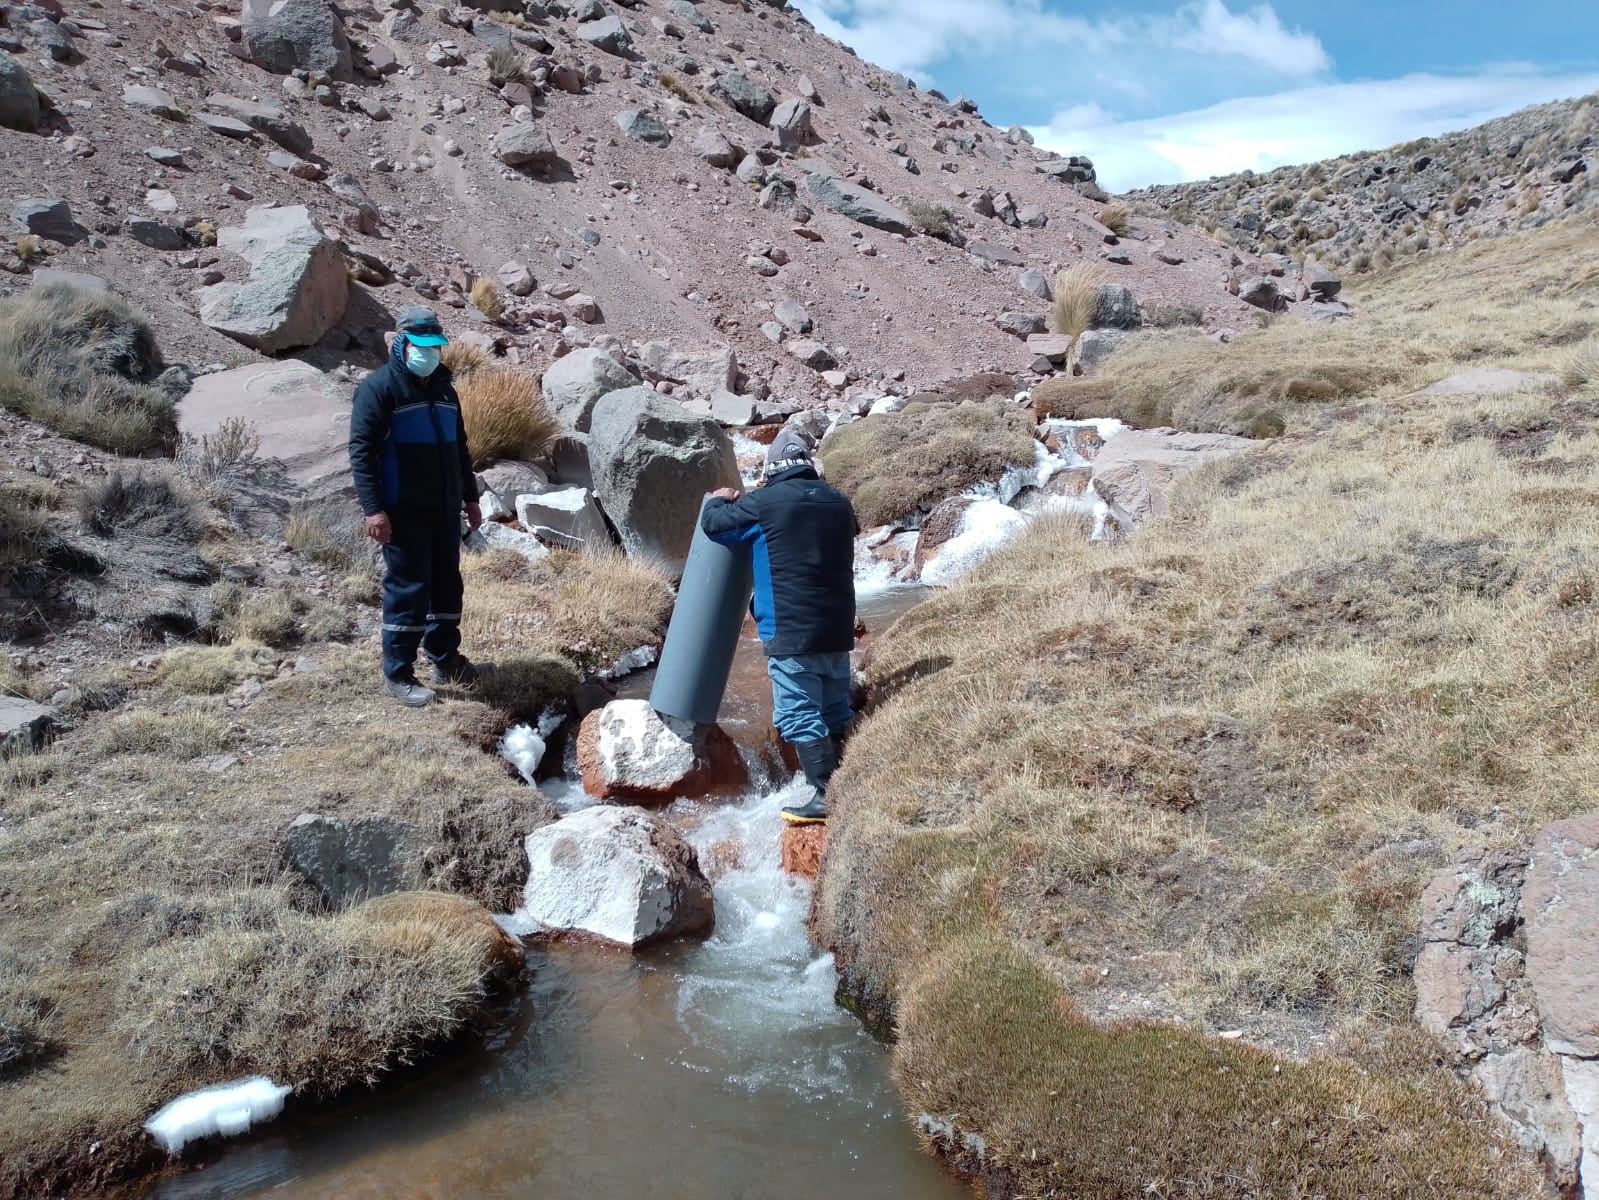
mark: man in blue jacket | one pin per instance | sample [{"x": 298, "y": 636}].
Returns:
[
  {"x": 801, "y": 535},
  {"x": 413, "y": 479}
]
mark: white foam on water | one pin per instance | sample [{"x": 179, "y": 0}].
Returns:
[
  {"x": 226, "y": 1111},
  {"x": 524, "y": 749},
  {"x": 757, "y": 992},
  {"x": 985, "y": 526}
]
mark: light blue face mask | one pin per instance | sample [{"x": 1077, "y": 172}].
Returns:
[{"x": 421, "y": 360}]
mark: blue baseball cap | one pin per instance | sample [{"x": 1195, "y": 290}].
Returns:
[{"x": 421, "y": 327}]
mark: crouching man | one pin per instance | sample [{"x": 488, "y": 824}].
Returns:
[
  {"x": 801, "y": 535},
  {"x": 413, "y": 479}
]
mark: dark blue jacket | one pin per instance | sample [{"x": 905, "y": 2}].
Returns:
[
  {"x": 408, "y": 448},
  {"x": 801, "y": 534}
]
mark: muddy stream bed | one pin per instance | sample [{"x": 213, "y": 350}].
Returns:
[{"x": 714, "y": 1070}]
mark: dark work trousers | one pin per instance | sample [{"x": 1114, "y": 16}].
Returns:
[{"x": 421, "y": 590}]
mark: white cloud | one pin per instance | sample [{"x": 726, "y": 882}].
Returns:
[
  {"x": 914, "y": 36},
  {"x": 1301, "y": 125}
]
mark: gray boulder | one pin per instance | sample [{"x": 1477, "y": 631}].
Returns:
[
  {"x": 157, "y": 235},
  {"x": 266, "y": 118},
  {"x": 1076, "y": 169},
  {"x": 298, "y": 285},
  {"x": 642, "y": 127},
  {"x": 608, "y": 34},
  {"x": 706, "y": 372},
  {"x": 1262, "y": 292},
  {"x": 752, "y": 170},
  {"x": 568, "y": 458},
  {"x": 653, "y": 463},
  {"x": 781, "y": 196},
  {"x": 793, "y": 316},
  {"x": 228, "y": 127},
  {"x": 152, "y": 100},
  {"x": 563, "y": 517},
  {"x": 574, "y": 385},
  {"x": 19, "y": 99},
  {"x": 517, "y": 278},
  {"x": 617, "y": 874},
  {"x": 1035, "y": 281},
  {"x": 1116, "y": 308},
  {"x": 813, "y": 354},
  {"x": 745, "y": 96},
  {"x": 346, "y": 862},
  {"x": 689, "y": 14},
  {"x": 524, "y": 144},
  {"x": 791, "y": 121},
  {"x": 48, "y": 218},
  {"x": 712, "y": 145},
  {"x": 24, "y": 726},
  {"x": 1020, "y": 324},
  {"x": 347, "y": 188},
  {"x": 283, "y": 36},
  {"x": 858, "y": 204},
  {"x": 1322, "y": 283},
  {"x": 510, "y": 481}
]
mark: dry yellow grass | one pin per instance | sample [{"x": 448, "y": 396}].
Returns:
[
  {"x": 462, "y": 359},
  {"x": 1117, "y": 218},
  {"x": 1076, "y": 299},
  {"x": 505, "y": 415},
  {"x": 486, "y": 298},
  {"x": 1212, "y": 766}
]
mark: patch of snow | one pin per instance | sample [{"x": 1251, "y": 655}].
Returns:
[
  {"x": 226, "y": 1111},
  {"x": 985, "y": 526},
  {"x": 886, "y": 404},
  {"x": 635, "y": 659}
]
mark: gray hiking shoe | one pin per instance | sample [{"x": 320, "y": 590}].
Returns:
[{"x": 408, "y": 692}]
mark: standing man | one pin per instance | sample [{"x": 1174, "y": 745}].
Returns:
[
  {"x": 413, "y": 478},
  {"x": 801, "y": 533}
]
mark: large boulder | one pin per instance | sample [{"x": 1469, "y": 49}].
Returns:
[
  {"x": 574, "y": 384},
  {"x": 608, "y": 34},
  {"x": 301, "y": 416},
  {"x": 1116, "y": 308},
  {"x": 563, "y": 516},
  {"x": 628, "y": 751},
  {"x": 705, "y": 371},
  {"x": 24, "y": 726},
  {"x": 346, "y": 862},
  {"x": 47, "y": 217},
  {"x": 1076, "y": 169},
  {"x": 1561, "y": 907},
  {"x": 712, "y": 145},
  {"x": 791, "y": 121},
  {"x": 653, "y": 463},
  {"x": 689, "y": 13},
  {"x": 19, "y": 99},
  {"x": 510, "y": 481},
  {"x": 618, "y": 875},
  {"x": 1135, "y": 470},
  {"x": 298, "y": 285},
  {"x": 524, "y": 144},
  {"x": 269, "y": 119},
  {"x": 745, "y": 96},
  {"x": 855, "y": 202},
  {"x": 283, "y": 36},
  {"x": 642, "y": 127}
]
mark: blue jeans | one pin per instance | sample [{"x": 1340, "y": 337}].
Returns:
[
  {"x": 810, "y": 695},
  {"x": 421, "y": 591}
]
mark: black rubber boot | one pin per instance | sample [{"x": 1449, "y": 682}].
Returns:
[{"x": 818, "y": 760}]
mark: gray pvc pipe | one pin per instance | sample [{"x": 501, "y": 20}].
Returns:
[{"x": 697, "y": 659}]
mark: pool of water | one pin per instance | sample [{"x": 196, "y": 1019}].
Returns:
[{"x": 703, "y": 1070}]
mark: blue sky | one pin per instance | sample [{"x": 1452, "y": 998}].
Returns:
[{"x": 1159, "y": 91}]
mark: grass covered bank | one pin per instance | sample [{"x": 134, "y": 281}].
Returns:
[{"x": 1116, "y": 800}]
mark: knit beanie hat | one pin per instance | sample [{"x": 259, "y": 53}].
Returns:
[{"x": 790, "y": 449}]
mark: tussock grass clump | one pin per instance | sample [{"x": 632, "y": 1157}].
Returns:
[
  {"x": 505, "y": 415},
  {"x": 324, "y": 1001},
  {"x": 1117, "y": 218},
  {"x": 148, "y": 505},
  {"x": 678, "y": 88},
  {"x": 1076, "y": 299},
  {"x": 331, "y": 534},
  {"x": 1124, "y": 1107},
  {"x": 179, "y": 736},
  {"x": 78, "y": 363},
  {"x": 935, "y": 221},
  {"x": 463, "y": 359},
  {"x": 24, "y": 525},
  {"x": 208, "y": 670},
  {"x": 24, "y": 1017},
  {"x": 505, "y": 66},
  {"x": 895, "y": 466},
  {"x": 1580, "y": 371},
  {"x": 486, "y": 298}
]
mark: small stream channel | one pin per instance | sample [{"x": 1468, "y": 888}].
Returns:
[{"x": 714, "y": 1070}]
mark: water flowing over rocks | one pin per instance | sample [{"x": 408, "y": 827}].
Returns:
[
  {"x": 616, "y": 874},
  {"x": 628, "y": 751}
]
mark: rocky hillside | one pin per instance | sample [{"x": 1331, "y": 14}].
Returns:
[
  {"x": 1369, "y": 209},
  {"x": 654, "y": 170}
]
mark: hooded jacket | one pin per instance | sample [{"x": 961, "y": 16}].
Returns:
[
  {"x": 801, "y": 535},
  {"x": 408, "y": 449}
]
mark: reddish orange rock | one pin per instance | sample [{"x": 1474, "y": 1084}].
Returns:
[{"x": 803, "y": 847}]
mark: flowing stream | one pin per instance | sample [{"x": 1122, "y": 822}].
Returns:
[{"x": 703, "y": 1070}]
